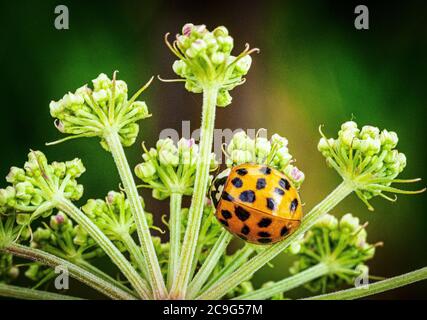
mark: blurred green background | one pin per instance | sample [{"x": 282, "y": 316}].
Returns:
[{"x": 314, "y": 68}]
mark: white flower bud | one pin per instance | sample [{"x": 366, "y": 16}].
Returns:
[
  {"x": 167, "y": 158},
  {"x": 327, "y": 221},
  {"x": 101, "y": 82},
  {"x": 278, "y": 140},
  {"x": 369, "y": 131},
  {"x": 348, "y": 221},
  {"x": 241, "y": 156},
  {"x": 218, "y": 57},
  {"x": 349, "y": 125},
  {"x": 100, "y": 96},
  {"x": 198, "y": 46},
  {"x": 244, "y": 64},
  {"x": 388, "y": 139}
]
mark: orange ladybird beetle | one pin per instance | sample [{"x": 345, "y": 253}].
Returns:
[{"x": 257, "y": 203}]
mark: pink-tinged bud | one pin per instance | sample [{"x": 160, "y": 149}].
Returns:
[
  {"x": 59, "y": 219},
  {"x": 297, "y": 174},
  {"x": 186, "y": 29},
  {"x": 191, "y": 143},
  {"x": 110, "y": 197}
]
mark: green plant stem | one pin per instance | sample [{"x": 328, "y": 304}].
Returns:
[
  {"x": 179, "y": 286},
  {"x": 75, "y": 271},
  {"x": 135, "y": 252},
  {"x": 110, "y": 249},
  {"x": 174, "y": 236},
  {"x": 237, "y": 260},
  {"x": 287, "y": 284},
  {"x": 10, "y": 291},
  {"x": 377, "y": 287},
  {"x": 229, "y": 282},
  {"x": 99, "y": 273},
  {"x": 204, "y": 228},
  {"x": 211, "y": 261},
  {"x": 149, "y": 253}
]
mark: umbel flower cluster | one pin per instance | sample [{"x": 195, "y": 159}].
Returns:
[
  {"x": 204, "y": 58},
  {"x": 96, "y": 111},
  {"x": 171, "y": 168},
  {"x": 339, "y": 244},
  {"x": 366, "y": 157},
  {"x": 34, "y": 187},
  {"x": 273, "y": 152},
  {"x": 41, "y": 222}
]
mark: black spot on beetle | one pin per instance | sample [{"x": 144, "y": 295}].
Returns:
[
  {"x": 242, "y": 214},
  {"x": 237, "y": 182},
  {"x": 247, "y": 196},
  {"x": 264, "y": 240},
  {"x": 265, "y": 170},
  {"x": 245, "y": 230},
  {"x": 279, "y": 191},
  {"x": 264, "y": 222},
  {"x": 264, "y": 234},
  {"x": 284, "y": 231},
  {"x": 284, "y": 184},
  {"x": 271, "y": 204},
  {"x": 226, "y": 196},
  {"x": 261, "y": 183},
  {"x": 226, "y": 214},
  {"x": 294, "y": 204},
  {"x": 242, "y": 171},
  {"x": 223, "y": 222}
]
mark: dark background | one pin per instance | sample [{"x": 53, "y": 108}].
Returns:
[{"x": 314, "y": 68}]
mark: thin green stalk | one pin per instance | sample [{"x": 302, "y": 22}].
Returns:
[
  {"x": 10, "y": 291},
  {"x": 229, "y": 282},
  {"x": 110, "y": 249},
  {"x": 135, "y": 252},
  {"x": 179, "y": 286},
  {"x": 377, "y": 287},
  {"x": 174, "y": 236},
  {"x": 200, "y": 244},
  {"x": 287, "y": 284},
  {"x": 153, "y": 268},
  {"x": 238, "y": 259},
  {"x": 211, "y": 261},
  {"x": 75, "y": 271},
  {"x": 101, "y": 274}
]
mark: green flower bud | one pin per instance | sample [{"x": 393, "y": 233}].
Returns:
[
  {"x": 23, "y": 219},
  {"x": 33, "y": 272},
  {"x": 224, "y": 98},
  {"x": 81, "y": 236},
  {"x": 15, "y": 175}
]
